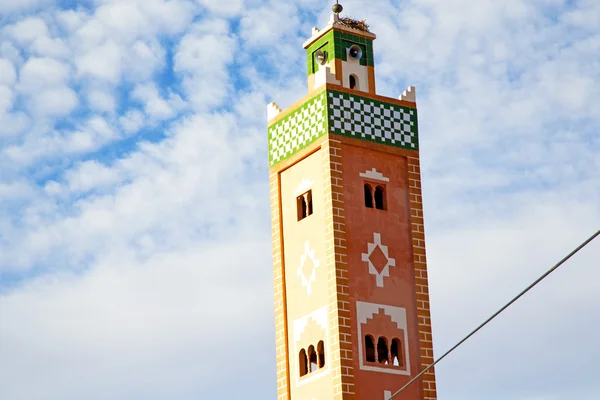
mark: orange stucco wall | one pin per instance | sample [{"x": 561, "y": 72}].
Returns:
[{"x": 393, "y": 227}]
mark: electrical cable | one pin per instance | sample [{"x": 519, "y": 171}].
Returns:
[{"x": 581, "y": 246}]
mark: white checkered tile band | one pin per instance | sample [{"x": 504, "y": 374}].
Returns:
[
  {"x": 372, "y": 120},
  {"x": 297, "y": 130}
]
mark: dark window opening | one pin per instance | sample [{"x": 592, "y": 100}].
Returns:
[
  {"x": 369, "y": 348},
  {"x": 396, "y": 353},
  {"x": 321, "y": 351},
  {"x": 382, "y": 351},
  {"x": 368, "y": 196},
  {"x": 353, "y": 82},
  {"x": 304, "y": 205},
  {"x": 303, "y": 363},
  {"x": 312, "y": 358},
  {"x": 380, "y": 198}
]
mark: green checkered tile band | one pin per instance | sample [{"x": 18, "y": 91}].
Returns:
[
  {"x": 342, "y": 114},
  {"x": 372, "y": 120},
  {"x": 298, "y": 129}
]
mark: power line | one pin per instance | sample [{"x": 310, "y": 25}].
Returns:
[{"x": 541, "y": 278}]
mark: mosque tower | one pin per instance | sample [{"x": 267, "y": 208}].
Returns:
[{"x": 351, "y": 292}]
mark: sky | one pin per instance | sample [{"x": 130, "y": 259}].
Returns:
[{"x": 135, "y": 249}]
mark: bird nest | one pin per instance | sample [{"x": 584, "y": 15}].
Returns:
[{"x": 354, "y": 24}]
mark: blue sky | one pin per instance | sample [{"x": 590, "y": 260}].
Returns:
[{"x": 134, "y": 212}]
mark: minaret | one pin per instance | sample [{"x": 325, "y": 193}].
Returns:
[{"x": 351, "y": 292}]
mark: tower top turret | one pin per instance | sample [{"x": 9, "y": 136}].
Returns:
[{"x": 341, "y": 54}]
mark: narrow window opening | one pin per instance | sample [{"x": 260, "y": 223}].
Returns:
[
  {"x": 368, "y": 196},
  {"x": 303, "y": 363},
  {"x": 353, "y": 82},
  {"x": 380, "y": 198},
  {"x": 304, "y": 205},
  {"x": 369, "y": 348},
  {"x": 321, "y": 351},
  {"x": 382, "y": 350},
  {"x": 396, "y": 352},
  {"x": 301, "y": 204},
  {"x": 312, "y": 358}
]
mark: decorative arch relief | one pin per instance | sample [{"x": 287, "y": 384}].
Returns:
[
  {"x": 319, "y": 318},
  {"x": 366, "y": 313},
  {"x": 307, "y": 270},
  {"x": 378, "y": 259},
  {"x": 303, "y": 187},
  {"x": 373, "y": 174}
]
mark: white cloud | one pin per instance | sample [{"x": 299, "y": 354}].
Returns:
[
  {"x": 154, "y": 105},
  {"x": 203, "y": 57},
  {"x": 102, "y": 62},
  {"x": 143, "y": 60},
  {"x": 48, "y": 47},
  {"x": 8, "y": 74},
  {"x": 10, "y": 52},
  {"x": 10, "y": 6},
  {"x": 91, "y": 175},
  {"x": 101, "y": 100},
  {"x": 72, "y": 19},
  {"x": 39, "y": 73},
  {"x": 27, "y": 30},
  {"x": 123, "y": 19},
  {"x": 6, "y": 99},
  {"x": 132, "y": 121},
  {"x": 56, "y": 101},
  {"x": 264, "y": 26},
  {"x": 230, "y": 8},
  {"x": 13, "y": 123},
  {"x": 15, "y": 190},
  {"x": 183, "y": 305}
]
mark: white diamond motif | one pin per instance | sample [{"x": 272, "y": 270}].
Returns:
[
  {"x": 391, "y": 262},
  {"x": 307, "y": 281}
]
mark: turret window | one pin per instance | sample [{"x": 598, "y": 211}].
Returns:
[
  {"x": 353, "y": 82},
  {"x": 311, "y": 360},
  {"x": 304, "y": 205},
  {"x": 375, "y": 196}
]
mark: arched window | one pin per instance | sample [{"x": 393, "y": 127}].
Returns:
[
  {"x": 309, "y": 207},
  {"x": 382, "y": 351},
  {"x": 312, "y": 358},
  {"x": 368, "y": 196},
  {"x": 321, "y": 351},
  {"x": 353, "y": 82},
  {"x": 370, "y": 348},
  {"x": 303, "y": 366},
  {"x": 380, "y": 198},
  {"x": 396, "y": 353}
]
